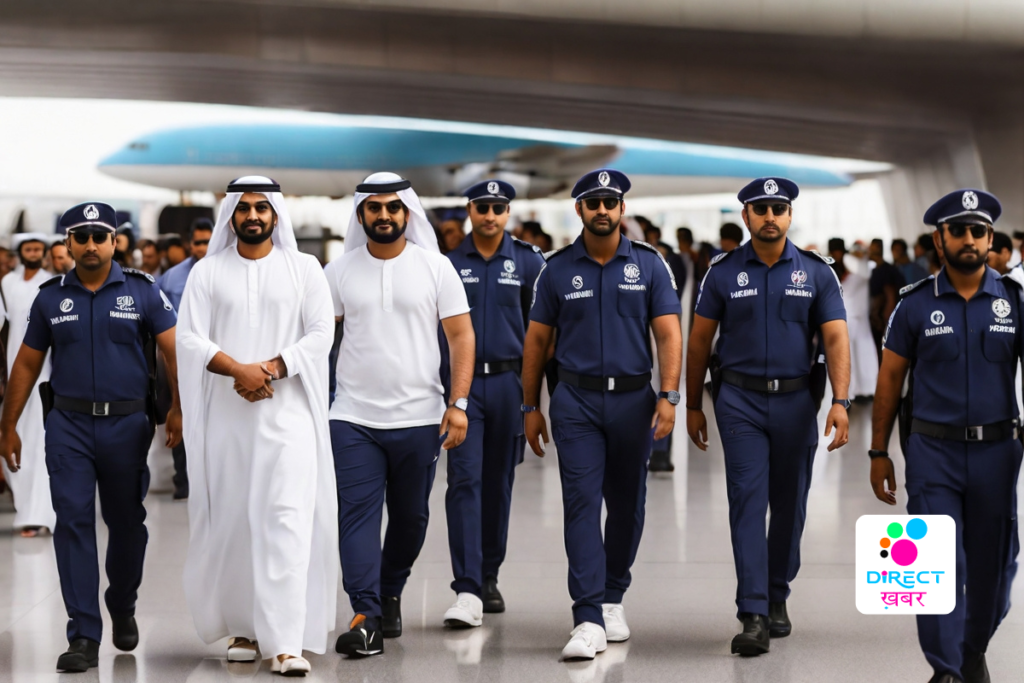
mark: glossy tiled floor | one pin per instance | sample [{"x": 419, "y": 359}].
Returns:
[{"x": 680, "y": 608}]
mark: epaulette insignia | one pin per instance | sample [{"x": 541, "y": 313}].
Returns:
[
  {"x": 524, "y": 243},
  {"x": 827, "y": 259},
  {"x": 56, "y": 279},
  {"x": 911, "y": 287},
  {"x": 139, "y": 273}
]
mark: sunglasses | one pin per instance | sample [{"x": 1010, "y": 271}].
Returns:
[
  {"x": 395, "y": 206},
  {"x": 483, "y": 209},
  {"x": 595, "y": 203},
  {"x": 98, "y": 236},
  {"x": 777, "y": 209},
  {"x": 199, "y": 243},
  {"x": 958, "y": 230}
]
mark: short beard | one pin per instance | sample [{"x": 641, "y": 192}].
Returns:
[
  {"x": 389, "y": 237},
  {"x": 769, "y": 238},
  {"x": 253, "y": 240},
  {"x": 602, "y": 232},
  {"x": 961, "y": 266},
  {"x": 31, "y": 265}
]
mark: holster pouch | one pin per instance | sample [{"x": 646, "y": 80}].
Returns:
[
  {"x": 716, "y": 376},
  {"x": 818, "y": 379},
  {"x": 46, "y": 396}
]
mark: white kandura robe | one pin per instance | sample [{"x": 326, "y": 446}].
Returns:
[
  {"x": 31, "y": 484},
  {"x": 863, "y": 356},
  {"x": 262, "y": 560}
]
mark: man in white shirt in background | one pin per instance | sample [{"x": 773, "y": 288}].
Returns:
[{"x": 389, "y": 419}]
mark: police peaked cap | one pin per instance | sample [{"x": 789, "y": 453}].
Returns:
[
  {"x": 91, "y": 213},
  {"x": 491, "y": 191},
  {"x": 769, "y": 189},
  {"x": 604, "y": 182},
  {"x": 965, "y": 206}
]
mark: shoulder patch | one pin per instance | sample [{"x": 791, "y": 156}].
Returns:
[
  {"x": 646, "y": 245},
  {"x": 911, "y": 287},
  {"x": 719, "y": 257},
  {"x": 522, "y": 243},
  {"x": 56, "y": 279},
  {"x": 551, "y": 254},
  {"x": 139, "y": 273},
  {"x": 827, "y": 259}
]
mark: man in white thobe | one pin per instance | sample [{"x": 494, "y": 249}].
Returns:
[
  {"x": 31, "y": 484},
  {"x": 857, "y": 297},
  {"x": 254, "y": 332}
]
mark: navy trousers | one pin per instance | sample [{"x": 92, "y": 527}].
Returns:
[
  {"x": 769, "y": 442},
  {"x": 83, "y": 454},
  {"x": 373, "y": 466},
  {"x": 480, "y": 476},
  {"x": 604, "y": 444},
  {"x": 974, "y": 484}
]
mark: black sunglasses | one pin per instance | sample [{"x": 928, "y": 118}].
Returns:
[
  {"x": 483, "y": 209},
  {"x": 777, "y": 209},
  {"x": 395, "y": 206},
  {"x": 199, "y": 243},
  {"x": 98, "y": 236},
  {"x": 958, "y": 230},
  {"x": 595, "y": 203}
]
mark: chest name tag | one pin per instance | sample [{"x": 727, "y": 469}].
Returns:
[
  {"x": 743, "y": 293},
  {"x": 632, "y": 288},
  {"x": 63, "y": 319},
  {"x": 805, "y": 293},
  {"x": 125, "y": 316},
  {"x": 1002, "y": 328},
  {"x": 585, "y": 294}
]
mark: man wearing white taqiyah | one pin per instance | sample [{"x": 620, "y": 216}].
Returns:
[
  {"x": 390, "y": 289},
  {"x": 254, "y": 331},
  {"x": 31, "y": 484}
]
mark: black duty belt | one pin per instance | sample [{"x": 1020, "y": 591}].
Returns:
[
  {"x": 616, "y": 384},
  {"x": 483, "y": 368},
  {"x": 111, "y": 408},
  {"x": 997, "y": 431},
  {"x": 765, "y": 385}
]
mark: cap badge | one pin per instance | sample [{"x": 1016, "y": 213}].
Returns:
[
  {"x": 970, "y": 200},
  {"x": 92, "y": 213},
  {"x": 771, "y": 187},
  {"x": 604, "y": 178},
  {"x": 492, "y": 188}
]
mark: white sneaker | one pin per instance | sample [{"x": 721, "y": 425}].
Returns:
[
  {"x": 587, "y": 640},
  {"x": 293, "y": 666},
  {"x": 468, "y": 611},
  {"x": 615, "y": 623}
]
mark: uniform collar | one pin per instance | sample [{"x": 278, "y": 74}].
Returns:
[
  {"x": 989, "y": 283},
  {"x": 115, "y": 275},
  {"x": 468, "y": 247},
  {"x": 748, "y": 253},
  {"x": 579, "y": 249}
]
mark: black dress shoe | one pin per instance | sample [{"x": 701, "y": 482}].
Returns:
[
  {"x": 392, "y": 620},
  {"x": 944, "y": 678},
  {"x": 125, "y": 632},
  {"x": 364, "y": 638},
  {"x": 661, "y": 461},
  {"x": 493, "y": 602},
  {"x": 754, "y": 640},
  {"x": 779, "y": 625},
  {"x": 974, "y": 668},
  {"x": 83, "y": 654},
  {"x": 181, "y": 492}
]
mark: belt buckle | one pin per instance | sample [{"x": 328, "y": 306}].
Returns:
[
  {"x": 773, "y": 386},
  {"x": 487, "y": 368},
  {"x": 100, "y": 409},
  {"x": 611, "y": 384},
  {"x": 975, "y": 433}
]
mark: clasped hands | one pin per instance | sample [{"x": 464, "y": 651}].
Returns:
[{"x": 252, "y": 380}]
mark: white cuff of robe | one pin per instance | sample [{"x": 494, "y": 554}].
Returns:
[{"x": 290, "y": 364}]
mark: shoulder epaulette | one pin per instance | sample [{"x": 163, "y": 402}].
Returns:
[
  {"x": 56, "y": 279},
  {"x": 139, "y": 273},
  {"x": 646, "y": 245},
  {"x": 523, "y": 243},
  {"x": 911, "y": 287},
  {"x": 719, "y": 257},
  {"x": 551, "y": 254},
  {"x": 1016, "y": 276},
  {"x": 827, "y": 259}
]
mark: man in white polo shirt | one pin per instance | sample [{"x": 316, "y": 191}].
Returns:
[{"x": 389, "y": 419}]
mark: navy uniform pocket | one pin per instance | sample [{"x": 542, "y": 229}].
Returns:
[
  {"x": 66, "y": 332},
  {"x": 997, "y": 346},
  {"x": 739, "y": 310},
  {"x": 795, "y": 309},
  {"x": 508, "y": 295},
  {"x": 124, "y": 331},
  {"x": 941, "y": 347},
  {"x": 632, "y": 304}
]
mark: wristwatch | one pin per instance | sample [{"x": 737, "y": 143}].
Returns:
[
  {"x": 844, "y": 402},
  {"x": 877, "y": 454},
  {"x": 461, "y": 403},
  {"x": 672, "y": 396},
  {"x": 527, "y": 409}
]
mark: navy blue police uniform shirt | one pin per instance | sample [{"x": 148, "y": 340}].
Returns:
[
  {"x": 500, "y": 291},
  {"x": 97, "y": 338},
  {"x": 602, "y": 313},
  {"x": 963, "y": 351},
  {"x": 768, "y": 316}
]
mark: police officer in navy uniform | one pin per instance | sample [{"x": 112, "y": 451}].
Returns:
[
  {"x": 959, "y": 333},
  {"x": 604, "y": 295},
  {"x": 95, "y": 321},
  {"x": 770, "y": 299},
  {"x": 498, "y": 272}
]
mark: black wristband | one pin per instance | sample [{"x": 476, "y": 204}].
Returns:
[
  {"x": 877, "y": 454},
  {"x": 694, "y": 408}
]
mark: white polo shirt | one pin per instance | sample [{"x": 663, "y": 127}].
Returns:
[{"x": 388, "y": 373}]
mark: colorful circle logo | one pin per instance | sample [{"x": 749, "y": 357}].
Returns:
[{"x": 903, "y": 550}]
